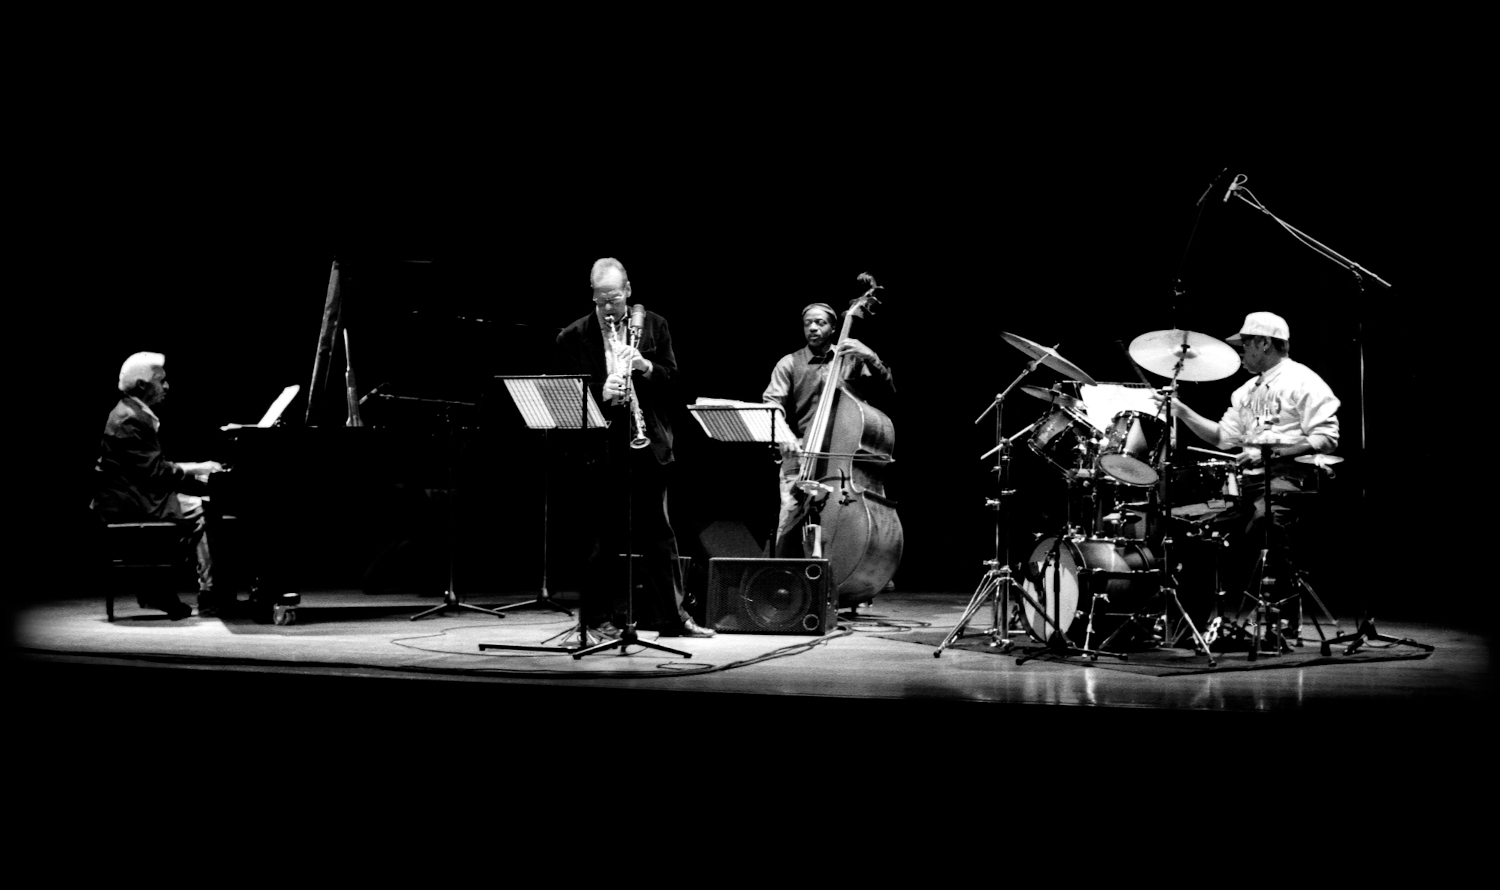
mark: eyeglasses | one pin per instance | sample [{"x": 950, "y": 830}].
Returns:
[{"x": 609, "y": 299}]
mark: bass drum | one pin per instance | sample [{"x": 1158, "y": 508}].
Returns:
[{"x": 1130, "y": 580}]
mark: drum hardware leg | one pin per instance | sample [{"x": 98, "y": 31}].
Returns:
[
  {"x": 1366, "y": 632},
  {"x": 1302, "y": 586},
  {"x": 996, "y": 585},
  {"x": 1169, "y": 587},
  {"x": 1199, "y": 641},
  {"x": 1057, "y": 642}
]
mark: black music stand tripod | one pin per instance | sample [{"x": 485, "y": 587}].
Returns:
[
  {"x": 451, "y": 599},
  {"x": 628, "y": 636},
  {"x": 552, "y": 402}
]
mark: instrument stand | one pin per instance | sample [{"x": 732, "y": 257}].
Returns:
[
  {"x": 451, "y": 599},
  {"x": 543, "y": 597},
  {"x": 1169, "y": 583},
  {"x": 628, "y": 636},
  {"x": 546, "y": 403},
  {"x": 1364, "y": 634},
  {"x": 1366, "y": 629},
  {"x": 998, "y": 582}
]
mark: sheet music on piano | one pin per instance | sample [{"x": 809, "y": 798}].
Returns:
[
  {"x": 273, "y": 413},
  {"x": 728, "y": 420}
]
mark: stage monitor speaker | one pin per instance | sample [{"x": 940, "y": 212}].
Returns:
[{"x": 770, "y": 596}]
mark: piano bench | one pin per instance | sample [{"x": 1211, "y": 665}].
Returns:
[{"x": 140, "y": 548}]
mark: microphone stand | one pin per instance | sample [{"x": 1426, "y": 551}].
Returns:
[{"x": 1366, "y": 629}]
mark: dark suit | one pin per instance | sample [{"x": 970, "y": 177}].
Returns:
[
  {"x": 134, "y": 482},
  {"x": 580, "y": 350}
]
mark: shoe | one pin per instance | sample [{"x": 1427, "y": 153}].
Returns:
[
  {"x": 211, "y": 605},
  {"x": 688, "y": 628},
  {"x": 606, "y": 630},
  {"x": 176, "y": 610}
]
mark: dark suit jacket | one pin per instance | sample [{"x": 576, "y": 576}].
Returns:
[
  {"x": 580, "y": 350},
  {"x": 132, "y": 480}
]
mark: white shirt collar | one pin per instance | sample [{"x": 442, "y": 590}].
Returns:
[{"x": 155, "y": 421}]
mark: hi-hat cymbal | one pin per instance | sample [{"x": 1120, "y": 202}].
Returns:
[
  {"x": 1203, "y": 357},
  {"x": 1319, "y": 460},
  {"x": 1052, "y": 395},
  {"x": 1049, "y": 357}
]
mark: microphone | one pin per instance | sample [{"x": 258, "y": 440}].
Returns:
[
  {"x": 1233, "y": 184},
  {"x": 378, "y": 387},
  {"x": 638, "y": 316}
]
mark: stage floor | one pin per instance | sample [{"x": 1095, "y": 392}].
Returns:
[
  {"x": 884, "y": 652},
  {"x": 356, "y": 682}
]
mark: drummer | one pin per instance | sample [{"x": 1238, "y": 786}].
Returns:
[{"x": 1284, "y": 410}]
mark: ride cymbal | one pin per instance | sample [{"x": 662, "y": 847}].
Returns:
[
  {"x": 1049, "y": 357},
  {"x": 1202, "y": 357}
]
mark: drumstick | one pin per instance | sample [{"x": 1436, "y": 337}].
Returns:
[{"x": 1214, "y": 453}]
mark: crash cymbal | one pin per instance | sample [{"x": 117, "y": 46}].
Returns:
[
  {"x": 1049, "y": 357},
  {"x": 1052, "y": 395},
  {"x": 1203, "y": 357}
]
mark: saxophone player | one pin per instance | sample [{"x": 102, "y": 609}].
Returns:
[{"x": 633, "y": 374}]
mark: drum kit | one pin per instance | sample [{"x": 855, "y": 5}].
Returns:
[{"x": 1103, "y": 582}]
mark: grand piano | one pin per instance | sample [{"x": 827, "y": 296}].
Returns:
[{"x": 356, "y": 489}]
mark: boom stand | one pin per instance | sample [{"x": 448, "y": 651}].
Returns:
[
  {"x": 548, "y": 403},
  {"x": 451, "y": 600},
  {"x": 996, "y": 585},
  {"x": 1366, "y": 629}
]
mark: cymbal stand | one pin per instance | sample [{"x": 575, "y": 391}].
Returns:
[
  {"x": 1169, "y": 581},
  {"x": 998, "y": 582}
]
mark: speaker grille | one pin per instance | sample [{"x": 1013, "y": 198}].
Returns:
[{"x": 770, "y": 596}]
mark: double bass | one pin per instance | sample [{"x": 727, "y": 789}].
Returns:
[{"x": 846, "y": 516}]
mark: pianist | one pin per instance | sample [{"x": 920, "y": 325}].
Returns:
[{"x": 134, "y": 482}]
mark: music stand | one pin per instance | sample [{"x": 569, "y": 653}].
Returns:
[
  {"x": 547, "y": 403},
  {"x": 451, "y": 599},
  {"x": 730, "y": 421}
]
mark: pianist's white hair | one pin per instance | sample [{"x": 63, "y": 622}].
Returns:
[
  {"x": 608, "y": 262},
  {"x": 139, "y": 368}
]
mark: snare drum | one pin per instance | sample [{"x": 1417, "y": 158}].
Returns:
[
  {"x": 1129, "y": 447},
  {"x": 1204, "y": 489},
  {"x": 1061, "y": 438}
]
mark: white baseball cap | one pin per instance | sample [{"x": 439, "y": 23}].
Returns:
[{"x": 1262, "y": 324}]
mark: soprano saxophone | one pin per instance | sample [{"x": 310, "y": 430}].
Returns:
[{"x": 618, "y": 365}]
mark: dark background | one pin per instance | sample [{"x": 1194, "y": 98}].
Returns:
[{"x": 1076, "y": 236}]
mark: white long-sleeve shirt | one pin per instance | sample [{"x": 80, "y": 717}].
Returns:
[{"x": 1289, "y": 401}]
